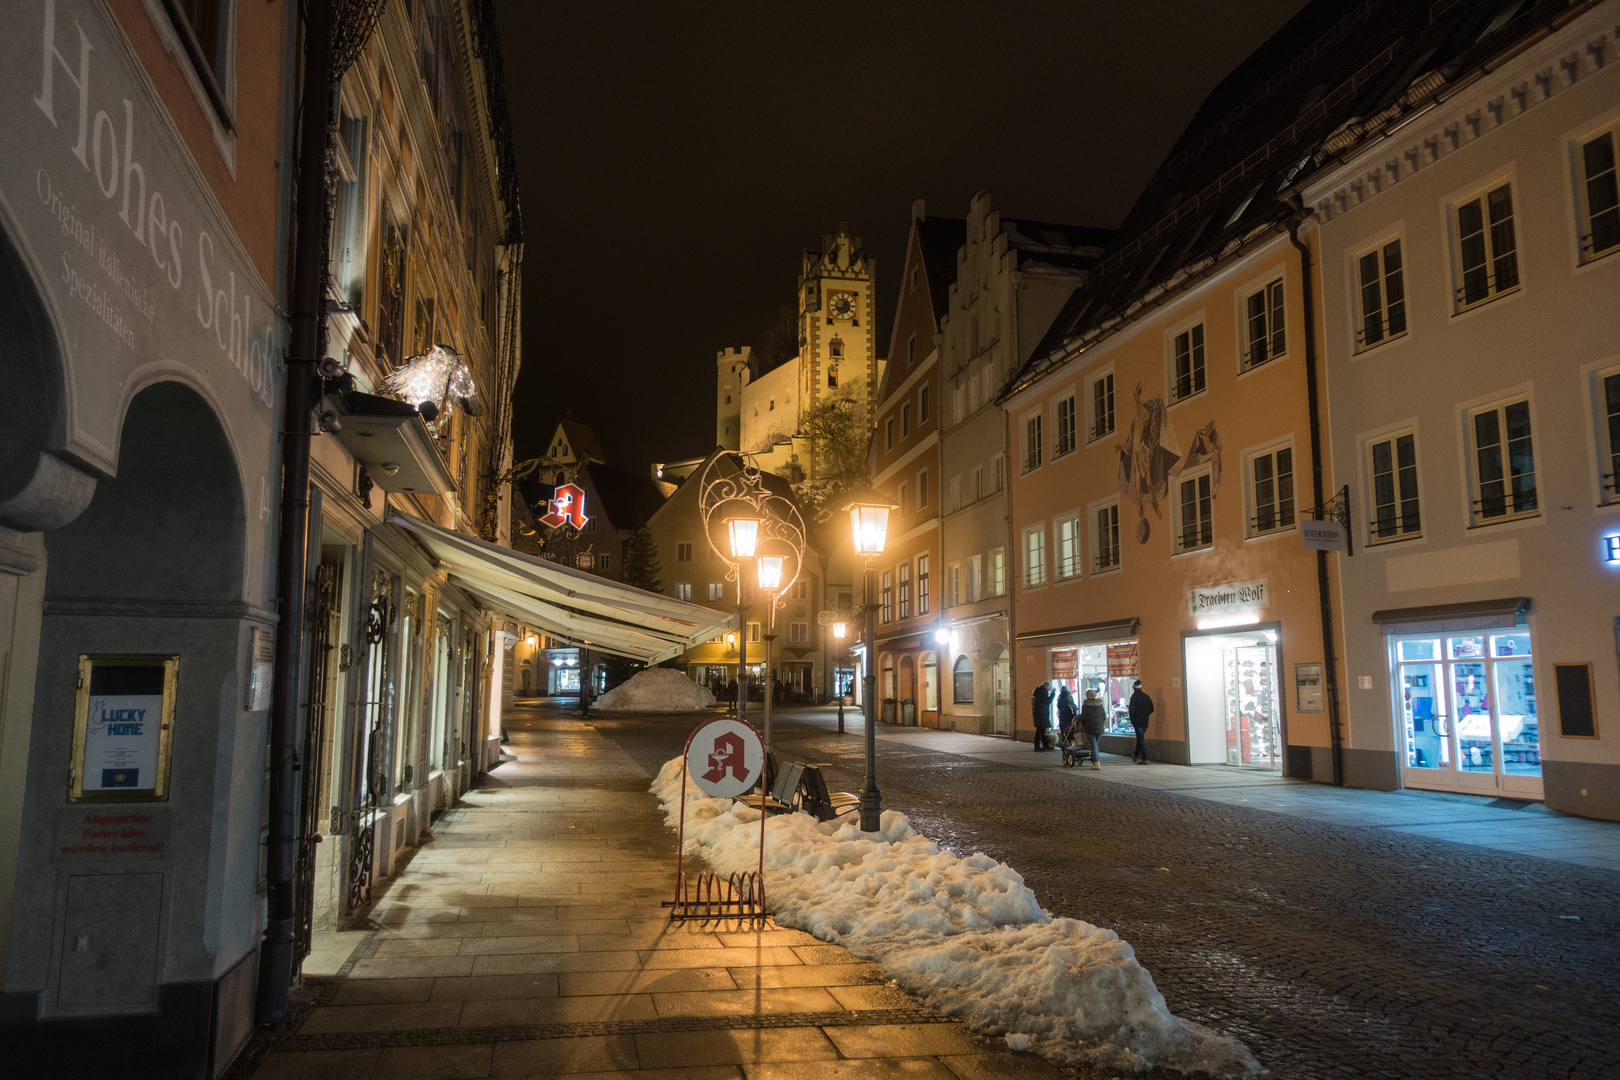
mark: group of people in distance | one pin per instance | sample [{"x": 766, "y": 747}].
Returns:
[{"x": 1092, "y": 716}]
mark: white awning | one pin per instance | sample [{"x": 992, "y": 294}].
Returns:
[{"x": 583, "y": 609}]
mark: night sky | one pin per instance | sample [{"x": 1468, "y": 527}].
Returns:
[{"x": 676, "y": 158}]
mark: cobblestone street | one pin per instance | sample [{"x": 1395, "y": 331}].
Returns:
[{"x": 1331, "y": 950}]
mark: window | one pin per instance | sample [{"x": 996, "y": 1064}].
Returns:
[
  {"x": 1263, "y": 313},
  {"x": 683, "y": 552},
  {"x": 1382, "y": 294},
  {"x": 202, "y": 25},
  {"x": 1392, "y": 465},
  {"x": 905, "y": 590},
  {"x": 1035, "y": 556},
  {"x": 905, "y": 420},
  {"x": 953, "y": 585},
  {"x": 717, "y": 590},
  {"x": 1504, "y": 463},
  {"x": 604, "y": 562},
  {"x": 1609, "y": 407},
  {"x": 998, "y": 572},
  {"x": 978, "y": 482},
  {"x": 1105, "y": 541},
  {"x": 1271, "y": 487},
  {"x": 962, "y": 681},
  {"x": 1194, "y": 526},
  {"x": 1001, "y": 471},
  {"x": 835, "y": 348},
  {"x": 799, "y": 633},
  {"x": 1068, "y": 547},
  {"x": 922, "y": 489},
  {"x": 1102, "y": 405},
  {"x": 1189, "y": 364},
  {"x": 683, "y": 590},
  {"x": 1487, "y": 256},
  {"x": 1065, "y": 427},
  {"x": 753, "y": 632},
  {"x": 954, "y": 499},
  {"x": 888, "y": 595},
  {"x": 1032, "y": 444},
  {"x": 888, "y": 434},
  {"x": 975, "y": 567},
  {"x": 911, "y": 350},
  {"x": 832, "y": 375},
  {"x": 904, "y": 491},
  {"x": 801, "y": 588},
  {"x": 922, "y": 406},
  {"x": 922, "y": 584},
  {"x": 1599, "y": 197}
]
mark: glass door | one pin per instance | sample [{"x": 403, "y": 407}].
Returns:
[{"x": 1252, "y": 728}]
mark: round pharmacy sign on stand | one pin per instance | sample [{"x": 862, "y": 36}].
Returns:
[{"x": 725, "y": 758}]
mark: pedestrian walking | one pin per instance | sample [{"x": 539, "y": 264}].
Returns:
[
  {"x": 1141, "y": 707},
  {"x": 1093, "y": 722},
  {"x": 731, "y": 692},
  {"x": 1041, "y": 703},
  {"x": 1066, "y": 710}
]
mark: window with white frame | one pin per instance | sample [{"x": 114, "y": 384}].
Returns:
[
  {"x": 922, "y": 585},
  {"x": 888, "y": 596},
  {"x": 922, "y": 488},
  {"x": 683, "y": 552},
  {"x": 1066, "y": 533},
  {"x": 1504, "y": 462},
  {"x": 1271, "y": 491},
  {"x": 753, "y": 633},
  {"x": 717, "y": 590},
  {"x": 1035, "y": 556},
  {"x": 975, "y": 575},
  {"x": 1608, "y": 404},
  {"x": 998, "y": 572},
  {"x": 683, "y": 590},
  {"x": 922, "y": 405},
  {"x": 1001, "y": 471},
  {"x": 905, "y": 590},
  {"x": 1393, "y": 482},
  {"x": 1101, "y": 396},
  {"x": 953, "y": 584},
  {"x": 978, "y": 482},
  {"x": 1599, "y": 195},
  {"x": 1194, "y": 507},
  {"x": 1105, "y": 537},
  {"x": 1065, "y": 440},
  {"x": 1486, "y": 254},
  {"x": 1263, "y": 331},
  {"x": 1187, "y": 363},
  {"x": 604, "y": 562},
  {"x": 954, "y": 499},
  {"x": 1032, "y": 443},
  {"x": 801, "y": 588},
  {"x": 958, "y": 405},
  {"x": 1380, "y": 295},
  {"x": 799, "y": 633}
]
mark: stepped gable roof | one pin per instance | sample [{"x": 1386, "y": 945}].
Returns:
[
  {"x": 1305, "y": 95},
  {"x": 940, "y": 238}
]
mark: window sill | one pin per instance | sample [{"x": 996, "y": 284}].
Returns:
[
  {"x": 1174, "y": 401},
  {"x": 1385, "y": 541},
  {"x": 1099, "y": 437},
  {"x": 1464, "y": 309},
  {"x": 1116, "y": 568},
  {"x": 1062, "y": 453},
  {"x": 1271, "y": 534},
  {"x": 1248, "y": 369},
  {"x": 1390, "y": 340},
  {"x": 1176, "y": 554},
  {"x": 1503, "y": 519}
]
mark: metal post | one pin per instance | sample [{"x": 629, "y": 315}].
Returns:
[
  {"x": 871, "y": 798},
  {"x": 837, "y": 687},
  {"x": 585, "y": 687},
  {"x": 742, "y": 656},
  {"x": 768, "y": 684}
]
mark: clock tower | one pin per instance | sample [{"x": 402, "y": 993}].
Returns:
[{"x": 838, "y": 327}]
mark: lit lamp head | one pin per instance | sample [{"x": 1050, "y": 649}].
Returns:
[
  {"x": 744, "y": 536},
  {"x": 869, "y": 523},
  {"x": 942, "y": 635},
  {"x": 839, "y": 630},
  {"x": 731, "y": 639},
  {"x": 770, "y": 572}
]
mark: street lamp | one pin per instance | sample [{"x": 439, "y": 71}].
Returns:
[
  {"x": 869, "y": 527},
  {"x": 744, "y": 533},
  {"x": 838, "y": 632}
]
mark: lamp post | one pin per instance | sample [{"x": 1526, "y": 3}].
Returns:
[
  {"x": 743, "y": 535},
  {"x": 839, "y": 630},
  {"x": 770, "y": 580},
  {"x": 869, "y": 522}
]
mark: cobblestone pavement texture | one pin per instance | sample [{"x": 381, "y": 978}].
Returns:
[
  {"x": 526, "y": 938},
  {"x": 1332, "y": 951}
]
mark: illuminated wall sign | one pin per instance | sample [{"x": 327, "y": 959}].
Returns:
[
  {"x": 1611, "y": 549},
  {"x": 1235, "y": 596},
  {"x": 567, "y": 507}
]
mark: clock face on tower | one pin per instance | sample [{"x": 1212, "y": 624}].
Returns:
[{"x": 841, "y": 305}]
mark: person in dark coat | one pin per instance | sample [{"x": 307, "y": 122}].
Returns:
[
  {"x": 731, "y": 692},
  {"x": 1041, "y": 703},
  {"x": 1141, "y": 707},
  {"x": 1093, "y": 722},
  {"x": 1066, "y": 710}
]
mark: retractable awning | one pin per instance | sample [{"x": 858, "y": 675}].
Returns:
[
  {"x": 583, "y": 609},
  {"x": 1087, "y": 634}
]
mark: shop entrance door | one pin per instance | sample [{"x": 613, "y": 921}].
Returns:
[
  {"x": 1466, "y": 709},
  {"x": 1234, "y": 711},
  {"x": 1000, "y": 678}
]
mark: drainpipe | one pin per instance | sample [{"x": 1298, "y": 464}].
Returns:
[
  {"x": 1330, "y": 665},
  {"x": 292, "y": 555}
]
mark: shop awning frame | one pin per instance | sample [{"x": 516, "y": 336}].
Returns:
[
  {"x": 1101, "y": 633},
  {"x": 585, "y": 610},
  {"x": 1506, "y": 611}
]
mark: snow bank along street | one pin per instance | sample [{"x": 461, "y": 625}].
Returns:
[{"x": 964, "y": 934}]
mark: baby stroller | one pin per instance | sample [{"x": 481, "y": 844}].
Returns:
[{"x": 1076, "y": 750}]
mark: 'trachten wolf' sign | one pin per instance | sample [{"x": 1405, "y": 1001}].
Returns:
[{"x": 725, "y": 758}]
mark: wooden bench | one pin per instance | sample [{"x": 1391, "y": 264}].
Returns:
[{"x": 799, "y": 786}]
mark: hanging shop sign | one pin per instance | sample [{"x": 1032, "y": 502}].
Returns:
[
  {"x": 566, "y": 507},
  {"x": 1325, "y": 535},
  {"x": 1234, "y": 596},
  {"x": 122, "y": 731},
  {"x": 725, "y": 758}
]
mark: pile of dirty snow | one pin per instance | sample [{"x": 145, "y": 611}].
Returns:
[
  {"x": 656, "y": 690},
  {"x": 965, "y": 935}
]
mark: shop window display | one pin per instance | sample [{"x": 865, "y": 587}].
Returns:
[
  {"x": 1108, "y": 669},
  {"x": 1468, "y": 704},
  {"x": 1252, "y": 736}
]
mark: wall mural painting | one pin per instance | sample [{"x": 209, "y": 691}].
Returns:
[{"x": 1151, "y": 455}]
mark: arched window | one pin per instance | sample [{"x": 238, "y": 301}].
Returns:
[
  {"x": 962, "y": 681},
  {"x": 930, "y": 682},
  {"x": 888, "y": 675}
]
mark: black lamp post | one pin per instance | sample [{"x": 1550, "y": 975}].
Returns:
[{"x": 869, "y": 522}]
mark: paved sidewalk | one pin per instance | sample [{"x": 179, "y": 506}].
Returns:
[
  {"x": 526, "y": 939},
  {"x": 1524, "y": 828}
]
